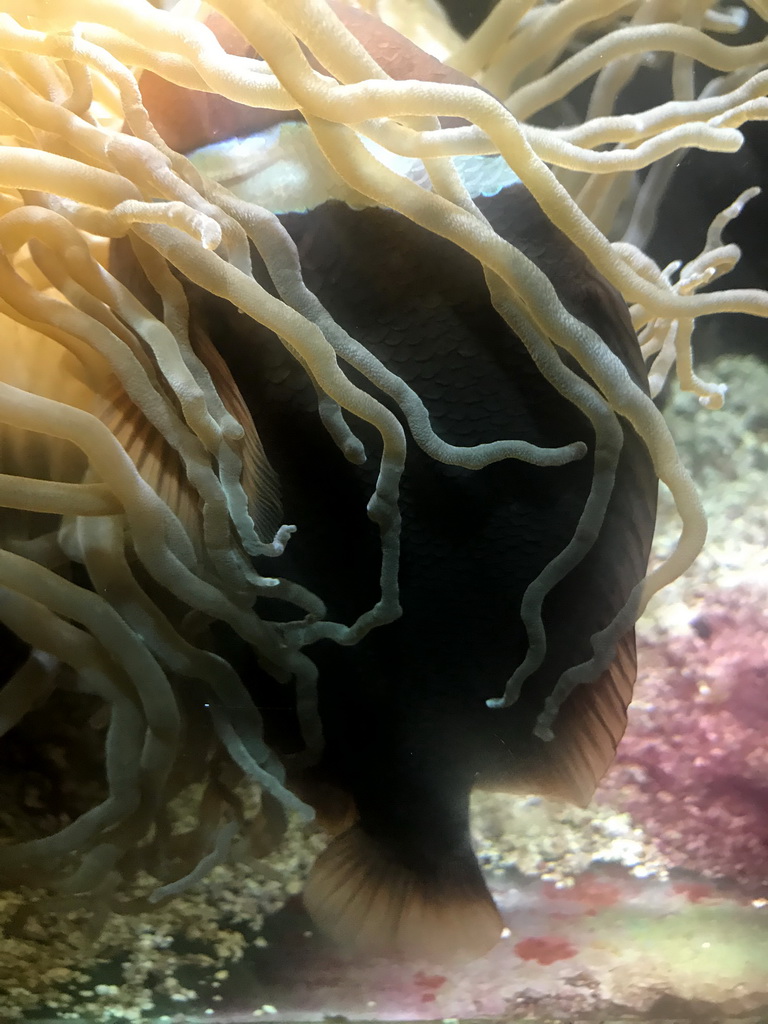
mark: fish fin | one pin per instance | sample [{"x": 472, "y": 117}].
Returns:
[
  {"x": 158, "y": 464},
  {"x": 161, "y": 464},
  {"x": 587, "y": 731},
  {"x": 366, "y": 900},
  {"x": 259, "y": 480},
  {"x": 335, "y": 809},
  {"x": 162, "y": 468},
  {"x": 588, "y": 728}
]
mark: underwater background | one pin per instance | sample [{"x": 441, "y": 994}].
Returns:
[{"x": 650, "y": 904}]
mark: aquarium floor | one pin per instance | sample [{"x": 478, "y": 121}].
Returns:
[{"x": 610, "y": 948}]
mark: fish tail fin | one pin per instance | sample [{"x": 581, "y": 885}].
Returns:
[{"x": 365, "y": 899}]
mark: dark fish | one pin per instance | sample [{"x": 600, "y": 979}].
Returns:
[{"x": 407, "y": 730}]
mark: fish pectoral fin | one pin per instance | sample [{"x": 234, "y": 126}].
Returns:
[
  {"x": 366, "y": 900},
  {"x": 258, "y": 479},
  {"x": 162, "y": 467},
  {"x": 587, "y": 731},
  {"x": 589, "y": 726},
  {"x": 157, "y": 462}
]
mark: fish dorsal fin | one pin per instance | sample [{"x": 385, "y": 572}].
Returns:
[{"x": 365, "y": 900}]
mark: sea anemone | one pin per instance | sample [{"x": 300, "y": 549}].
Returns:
[{"x": 140, "y": 512}]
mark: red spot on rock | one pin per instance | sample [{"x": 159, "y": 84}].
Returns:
[
  {"x": 433, "y": 981},
  {"x": 592, "y": 892},
  {"x": 695, "y": 892},
  {"x": 545, "y": 949},
  {"x": 428, "y": 997}
]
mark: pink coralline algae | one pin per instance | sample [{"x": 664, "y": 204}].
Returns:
[
  {"x": 692, "y": 769},
  {"x": 545, "y": 949}
]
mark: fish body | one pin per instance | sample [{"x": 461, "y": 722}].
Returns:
[{"x": 406, "y": 725}]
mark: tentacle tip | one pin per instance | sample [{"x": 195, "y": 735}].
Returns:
[
  {"x": 715, "y": 398},
  {"x": 355, "y": 453},
  {"x": 281, "y": 538},
  {"x": 543, "y": 729}
]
